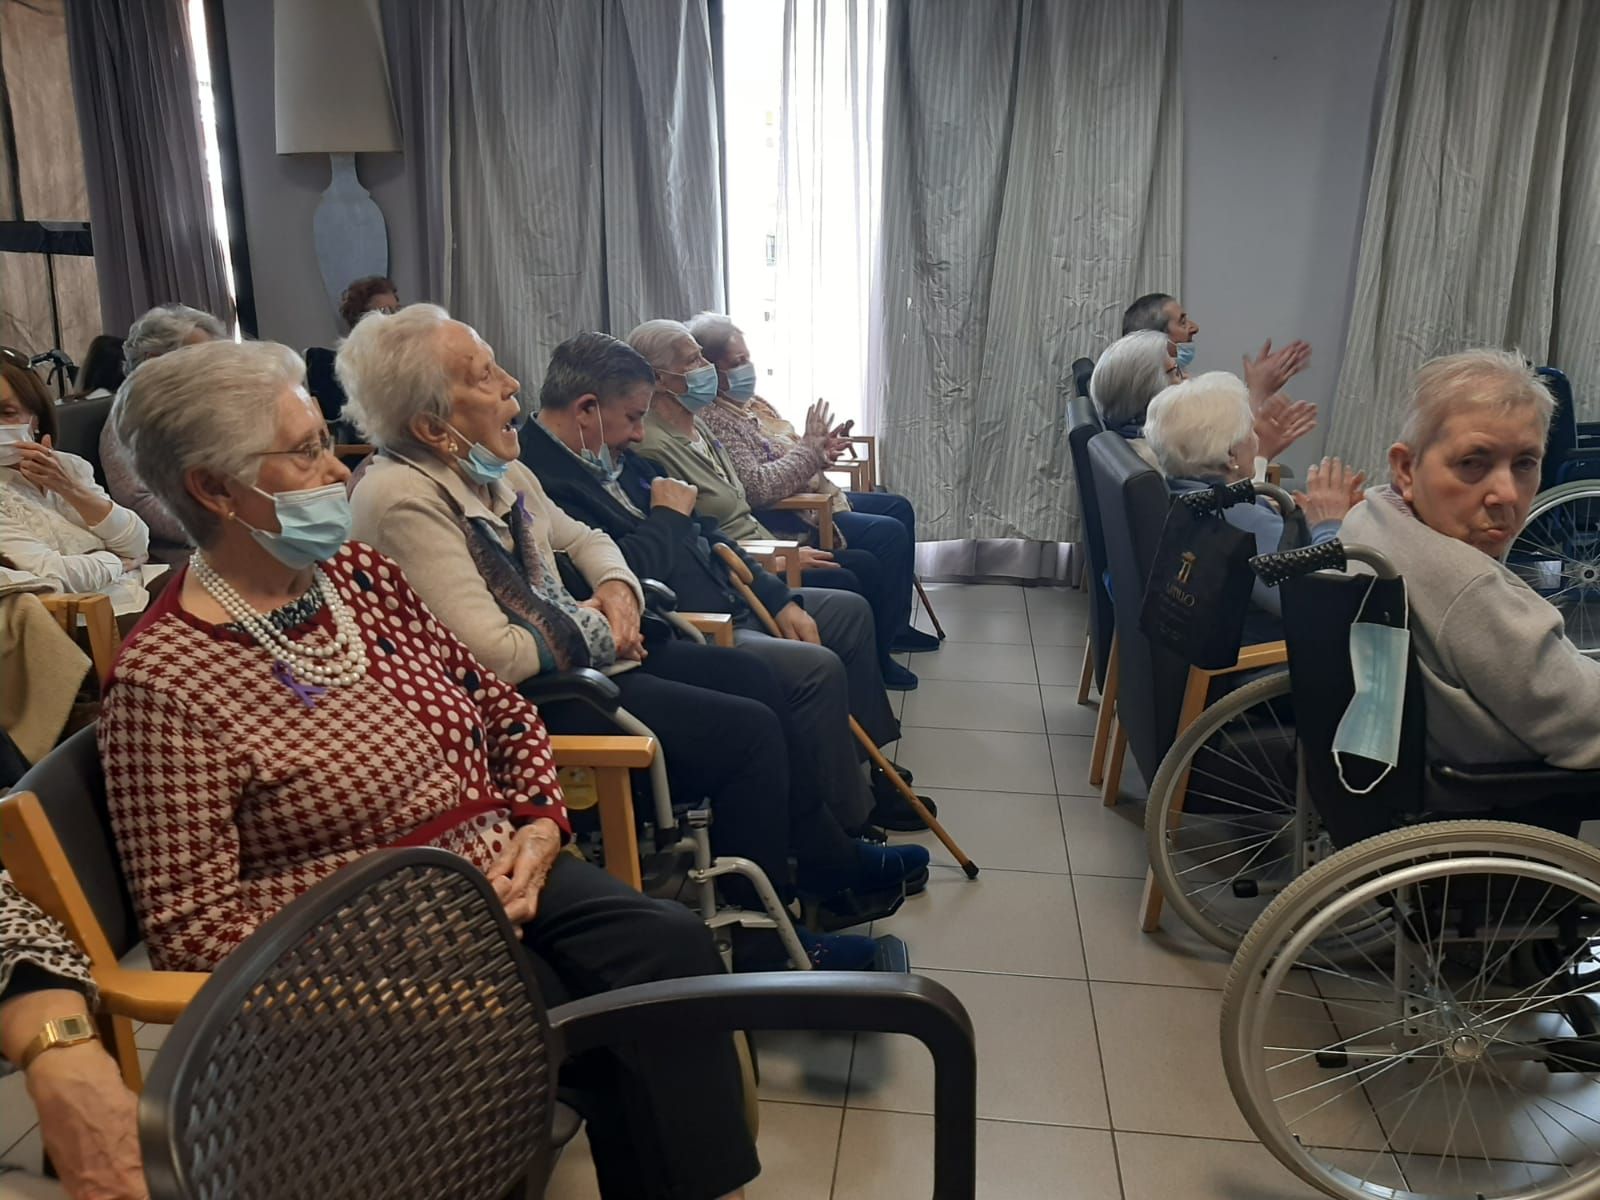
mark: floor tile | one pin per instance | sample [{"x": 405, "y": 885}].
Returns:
[
  {"x": 1070, "y": 756},
  {"x": 1001, "y": 597},
  {"x": 150, "y": 1036},
  {"x": 1014, "y": 922},
  {"x": 573, "y": 1178},
  {"x": 999, "y": 831},
  {"x": 985, "y": 625},
  {"x": 1067, "y": 627},
  {"x": 27, "y": 1152},
  {"x": 1063, "y": 713},
  {"x": 1118, "y": 951},
  {"x": 1101, "y": 840},
  {"x": 1037, "y": 1058},
  {"x": 1163, "y": 1168},
  {"x": 804, "y": 1066},
  {"x": 17, "y": 1115},
  {"x": 975, "y": 661},
  {"x": 884, "y": 1154},
  {"x": 1059, "y": 666},
  {"x": 1054, "y": 599},
  {"x": 978, "y": 760},
  {"x": 961, "y": 704}
]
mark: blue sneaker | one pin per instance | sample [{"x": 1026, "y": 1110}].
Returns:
[
  {"x": 838, "y": 951},
  {"x": 884, "y": 866}
]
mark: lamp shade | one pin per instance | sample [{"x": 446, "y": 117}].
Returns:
[{"x": 331, "y": 78}]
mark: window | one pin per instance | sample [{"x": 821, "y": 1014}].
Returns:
[{"x": 200, "y": 45}]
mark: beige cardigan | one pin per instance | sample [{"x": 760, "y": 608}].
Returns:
[{"x": 400, "y": 509}]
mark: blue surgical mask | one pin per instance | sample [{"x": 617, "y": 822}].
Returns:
[
  {"x": 701, "y": 387},
  {"x": 312, "y": 524},
  {"x": 1370, "y": 728},
  {"x": 480, "y": 465},
  {"x": 742, "y": 382},
  {"x": 1185, "y": 355},
  {"x": 600, "y": 462}
]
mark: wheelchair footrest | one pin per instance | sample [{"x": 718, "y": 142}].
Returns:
[{"x": 892, "y": 956}]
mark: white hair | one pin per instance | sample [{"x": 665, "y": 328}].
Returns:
[
  {"x": 655, "y": 339},
  {"x": 1131, "y": 371},
  {"x": 713, "y": 331},
  {"x": 1493, "y": 379},
  {"x": 391, "y": 372},
  {"x": 209, "y": 406},
  {"x": 1193, "y": 426},
  {"x": 163, "y": 329}
]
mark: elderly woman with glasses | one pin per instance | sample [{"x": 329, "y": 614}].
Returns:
[
  {"x": 55, "y": 521},
  {"x": 476, "y": 534},
  {"x": 289, "y": 704}
]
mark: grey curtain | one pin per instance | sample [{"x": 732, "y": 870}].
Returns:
[
  {"x": 133, "y": 76},
  {"x": 1484, "y": 206},
  {"x": 1032, "y": 188},
  {"x": 566, "y": 161}
]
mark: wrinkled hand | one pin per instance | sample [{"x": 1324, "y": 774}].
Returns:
[
  {"x": 1268, "y": 372},
  {"x": 796, "y": 624},
  {"x": 89, "y": 1122},
  {"x": 40, "y": 466},
  {"x": 619, "y": 605},
  {"x": 1332, "y": 489},
  {"x": 518, "y": 875},
  {"x": 819, "y": 420},
  {"x": 1281, "y": 422},
  {"x": 675, "y": 494},
  {"x": 811, "y": 557}
]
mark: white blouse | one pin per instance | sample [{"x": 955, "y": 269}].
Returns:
[{"x": 42, "y": 534}]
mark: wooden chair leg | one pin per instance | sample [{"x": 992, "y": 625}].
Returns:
[
  {"x": 1102, "y": 725},
  {"x": 1086, "y": 674},
  {"x": 1151, "y": 905},
  {"x": 1119, "y": 751},
  {"x": 617, "y": 831},
  {"x": 927, "y": 604},
  {"x": 117, "y": 1035}
]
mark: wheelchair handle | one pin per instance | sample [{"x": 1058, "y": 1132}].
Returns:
[
  {"x": 1273, "y": 569},
  {"x": 1244, "y": 492}
]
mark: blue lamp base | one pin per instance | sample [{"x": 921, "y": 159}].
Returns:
[{"x": 348, "y": 230}]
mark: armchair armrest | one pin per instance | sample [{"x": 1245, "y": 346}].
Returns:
[
  {"x": 1533, "y": 780},
  {"x": 717, "y": 627},
  {"x": 865, "y": 447},
  {"x": 159, "y": 996},
  {"x": 778, "y": 557},
  {"x": 99, "y": 622},
  {"x": 585, "y": 684},
  {"x": 812, "y": 502},
  {"x": 609, "y": 759},
  {"x": 1251, "y": 658}
]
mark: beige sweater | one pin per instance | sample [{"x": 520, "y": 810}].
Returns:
[{"x": 400, "y": 508}]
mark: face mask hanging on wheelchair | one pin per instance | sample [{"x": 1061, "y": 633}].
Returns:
[{"x": 1370, "y": 728}]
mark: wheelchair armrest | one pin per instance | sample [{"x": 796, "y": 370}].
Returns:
[
  {"x": 658, "y": 597},
  {"x": 585, "y": 684},
  {"x": 1537, "y": 778}
]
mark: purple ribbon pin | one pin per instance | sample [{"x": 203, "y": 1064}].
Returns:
[{"x": 306, "y": 693}]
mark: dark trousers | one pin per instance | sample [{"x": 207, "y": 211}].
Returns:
[
  {"x": 885, "y": 526},
  {"x": 666, "y": 1119},
  {"x": 861, "y": 571},
  {"x": 885, "y": 504}
]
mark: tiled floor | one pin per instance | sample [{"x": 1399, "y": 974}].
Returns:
[{"x": 1099, "y": 1073}]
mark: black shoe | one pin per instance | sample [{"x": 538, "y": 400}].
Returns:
[
  {"x": 845, "y": 909},
  {"x": 875, "y": 834},
  {"x": 891, "y": 809},
  {"x": 897, "y": 679},
  {"x": 883, "y": 786},
  {"x": 913, "y": 641}
]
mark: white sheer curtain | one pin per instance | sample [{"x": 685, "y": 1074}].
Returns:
[{"x": 1483, "y": 214}]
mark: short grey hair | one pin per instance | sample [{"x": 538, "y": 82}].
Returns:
[
  {"x": 163, "y": 329},
  {"x": 209, "y": 406},
  {"x": 655, "y": 339},
  {"x": 1494, "y": 379},
  {"x": 713, "y": 331},
  {"x": 391, "y": 373},
  {"x": 1129, "y": 374},
  {"x": 1193, "y": 426}
]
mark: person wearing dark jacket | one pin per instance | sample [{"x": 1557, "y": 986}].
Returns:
[{"x": 592, "y": 407}]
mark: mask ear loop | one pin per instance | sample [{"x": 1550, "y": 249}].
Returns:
[{"x": 1405, "y": 623}]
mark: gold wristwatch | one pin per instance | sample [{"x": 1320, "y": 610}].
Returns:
[{"x": 64, "y": 1031}]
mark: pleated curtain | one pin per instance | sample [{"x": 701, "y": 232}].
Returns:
[
  {"x": 1032, "y": 188},
  {"x": 1482, "y": 225},
  {"x": 566, "y": 161}
]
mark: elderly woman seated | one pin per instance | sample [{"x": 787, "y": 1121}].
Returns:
[
  {"x": 288, "y": 704},
  {"x": 55, "y": 522},
  {"x": 160, "y": 331},
  {"x": 775, "y": 461},
  {"x": 477, "y": 537},
  {"x": 1202, "y": 433},
  {"x": 1502, "y": 681},
  {"x": 677, "y": 439},
  {"x": 1137, "y": 366}
]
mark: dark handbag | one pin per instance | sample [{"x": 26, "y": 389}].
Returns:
[{"x": 1198, "y": 593}]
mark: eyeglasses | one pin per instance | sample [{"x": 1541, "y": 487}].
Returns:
[{"x": 307, "y": 454}]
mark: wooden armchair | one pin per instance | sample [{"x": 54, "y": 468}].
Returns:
[
  {"x": 779, "y": 556},
  {"x": 93, "y": 611},
  {"x": 821, "y": 508}
]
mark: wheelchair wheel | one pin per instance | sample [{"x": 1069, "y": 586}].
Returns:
[
  {"x": 1457, "y": 1058},
  {"x": 1222, "y": 827},
  {"x": 1558, "y": 555}
]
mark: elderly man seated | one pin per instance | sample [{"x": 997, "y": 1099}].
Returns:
[
  {"x": 475, "y": 533},
  {"x": 592, "y": 409},
  {"x": 1202, "y": 433},
  {"x": 678, "y": 441},
  {"x": 1501, "y": 679}
]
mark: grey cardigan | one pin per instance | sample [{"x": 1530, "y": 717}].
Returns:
[{"x": 1502, "y": 682}]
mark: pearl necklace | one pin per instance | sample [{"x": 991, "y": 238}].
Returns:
[{"x": 336, "y": 663}]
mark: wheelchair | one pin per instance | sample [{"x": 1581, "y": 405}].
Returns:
[{"x": 1415, "y": 1016}]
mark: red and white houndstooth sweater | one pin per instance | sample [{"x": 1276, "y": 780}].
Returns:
[{"x": 229, "y": 796}]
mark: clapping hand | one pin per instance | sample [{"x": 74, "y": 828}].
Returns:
[
  {"x": 1332, "y": 489},
  {"x": 1268, "y": 372},
  {"x": 1281, "y": 422}
]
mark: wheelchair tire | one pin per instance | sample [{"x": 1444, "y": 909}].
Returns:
[
  {"x": 1456, "y": 1017},
  {"x": 1558, "y": 555},
  {"x": 1231, "y": 773}
]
